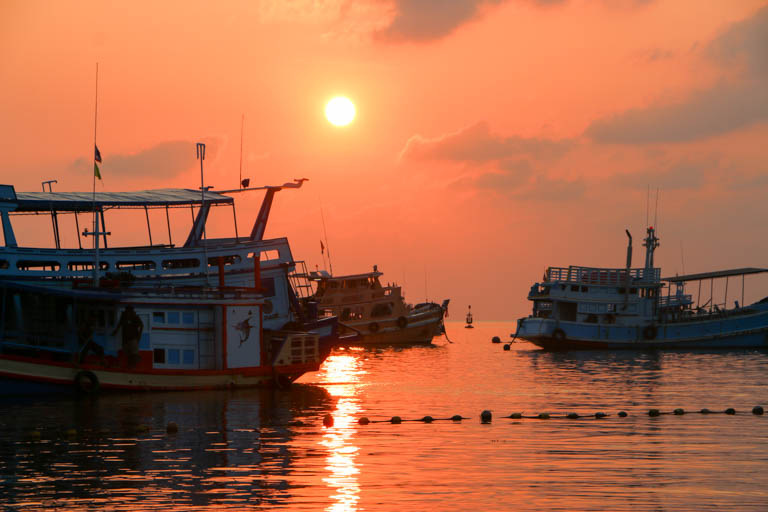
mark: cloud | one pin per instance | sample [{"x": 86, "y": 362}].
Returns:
[
  {"x": 426, "y": 20},
  {"x": 685, "y": 174},
  {"x": 165, "y": 160},
  {"x": 725, "y": 107},
  {"x": 477, "y": 144}
]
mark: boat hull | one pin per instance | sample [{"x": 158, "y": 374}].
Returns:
[
  {"x": 738, "y": 331},
  {"x": 417, "y": 329},
  {"x": 19, "y": 376}
]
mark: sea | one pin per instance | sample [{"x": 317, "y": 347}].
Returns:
[{"x": 636, "y": 438}]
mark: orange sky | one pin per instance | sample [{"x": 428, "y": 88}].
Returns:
[{"x": 493, "y": 138}]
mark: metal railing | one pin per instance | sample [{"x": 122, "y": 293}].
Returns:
[{"x": 603, "y": 276}]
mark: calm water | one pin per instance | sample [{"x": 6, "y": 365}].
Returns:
[{"x": 250, "y": 450}]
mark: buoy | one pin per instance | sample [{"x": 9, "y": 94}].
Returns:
[
  {"x": 757, "y": 410},
  {"x": 172, "y": 427},
  {"x": 653, "y": 412},
  {"x": 543, "y": 416},
  {"x": 730, "y": 411},
  {"x": 456, "y": 417},
  {"x": 516, "y": 415},
  {"x": 705, "y": 411},
  {"x": 495, "y": 339},
  {"x": 363, "y": 421},
  {"x": 396, "y": 419},
  {"x": 507, "y": 346},
  {"x": 427, "y": 419},
  {"x": 622, "y": 414},
  {"x": 572, "y": 416},
  {"x": 485, "y": 416},
  {"x": 328, "y": 420},
  {"x": 599, "y": 415},
  {"x": 679, "y": 412}
]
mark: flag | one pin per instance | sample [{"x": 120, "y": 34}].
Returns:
[
  {"x": 322, "y": 247},
  {"x": 97, "y": 161}
]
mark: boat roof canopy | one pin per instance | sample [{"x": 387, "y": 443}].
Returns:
[
  {"x": 84, "y": 201},
  {"x": 327, "y": 277},
  {"x": 715, "y": 274}
]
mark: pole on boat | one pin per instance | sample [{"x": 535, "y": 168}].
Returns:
[{"x": 201, "y": 157}]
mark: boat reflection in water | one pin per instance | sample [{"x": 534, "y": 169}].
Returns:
[
  {"x": 341, "y": 375},
  {"x": 232, "y": 450}
]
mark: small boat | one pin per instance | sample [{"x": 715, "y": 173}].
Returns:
[
  {"x": 635, "y": 308},
  {"x": 378, "y": 313},
  {"x": 469, "y": 319},
  {"x": 213, "y": 312}
]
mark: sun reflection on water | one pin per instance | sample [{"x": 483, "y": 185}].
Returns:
[{"x": 341, "y": 374}]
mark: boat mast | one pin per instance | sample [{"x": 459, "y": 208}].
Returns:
[{"x": 651, "y": 243}]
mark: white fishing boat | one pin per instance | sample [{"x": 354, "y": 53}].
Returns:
[
  {"x": 377, "y": 312},
  {"x": 631, "y": 308},
  {"x": 214, "y": 312}
]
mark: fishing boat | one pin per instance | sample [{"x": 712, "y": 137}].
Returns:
[
  {"x": 214, "y": 312},
  {"x": 636, "y": 308},
  {"x": 469, "y": 319},
  {"x": 378, "y": 313}
]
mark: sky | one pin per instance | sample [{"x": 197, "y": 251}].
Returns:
[{"x": 493, "y": 138}]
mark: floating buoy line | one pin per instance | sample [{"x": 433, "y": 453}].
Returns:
[
  {"x": 172, "y": 428},
  {"x": 486, "y": 416}
]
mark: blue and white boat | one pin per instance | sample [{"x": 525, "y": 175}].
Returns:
[{"x": 635, "y": 308}]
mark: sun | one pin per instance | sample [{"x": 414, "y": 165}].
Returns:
[{"x": 340, "y": 111}]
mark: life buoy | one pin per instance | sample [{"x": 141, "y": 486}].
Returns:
[
  {"x": 649, "y": 333},
  {"x": 402, "y": 322},
  {"x": 86, "y": 382},
  {"x": 373, "y": 327},
  {"x": 558, "y": 335}
]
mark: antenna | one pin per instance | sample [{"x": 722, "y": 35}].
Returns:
[
  {"x": 682, "y": 259},
  {"x": 656, "y": 213},
  {"x": 426, "y": 291},
  {"x": 242, "y": 125},
  {"x": 325, "y": 234},
  {"x": 647, "y": 205}
]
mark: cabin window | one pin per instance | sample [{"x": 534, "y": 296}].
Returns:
[
  {"x": 350, "y": 284},
  {"x": 232, "y": 259},
  {"x": 585, "y": 289},
  {"x": 334, "y": 284},
  {"x": 173, "y": 356},
  {"x": 188, "y": 318},
  {"x": 346, "y": 314},
  {"x": 173, "y": 317},
  {"x": 380, "y": 310},
  {"x": 387, "y": 292},
  {"x": 268, "y": 286},
  {"x": 38, "y": 266},
  {"x": 3, "y": 264},
  {"x": 77, "y": 266},
  {"x": 567, "y": 311},
  {"x": 135, "y": 265},
  {"x": 181, "y": 263},
  {"x": 188, "y": 357},
  {"x": 611, "y": 308},
  {"x": 159, "y": 356},
  {"x": 326, "y": 313},
  {"x": 158, "y": 317},
  {"x": 272, "y": 254},
  {"x": 574, "y": 288}
]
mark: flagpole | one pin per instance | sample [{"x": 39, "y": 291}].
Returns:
[
  {"x": 95, "y": 214},
  {"x": 325, "y": 234}
]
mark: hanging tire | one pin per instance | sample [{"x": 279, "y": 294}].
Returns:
[
  {"x": 86, "y": 382},
  {"x": 402, "y": 322},
  {"x": 373, "y": 327},
  {"x": 558, "y": 335},
  {"x": 649, "y": 333}
]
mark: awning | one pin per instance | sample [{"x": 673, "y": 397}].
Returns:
[{"x": 715, "y": 274}]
